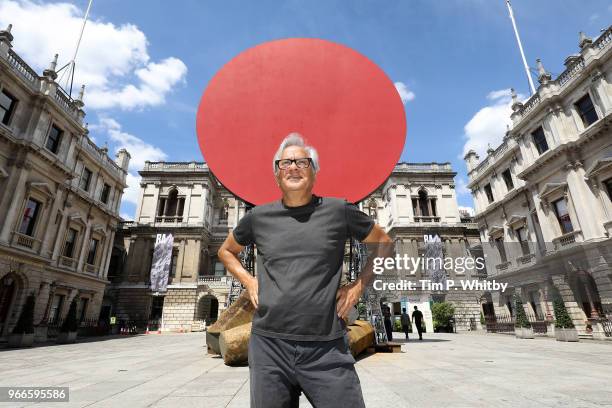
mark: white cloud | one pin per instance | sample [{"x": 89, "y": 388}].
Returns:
[
  {"x": 461, "y": 187},
  {"x": 469, "y": 210},
  {"x": 113, "y": 61},
  {"x": 488, "y": 125},
  {"x": 404, "y": 93},
  {"x": 139, "y": 150}
]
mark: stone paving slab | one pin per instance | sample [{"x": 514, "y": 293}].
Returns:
[{"x": 444, "y": 370}]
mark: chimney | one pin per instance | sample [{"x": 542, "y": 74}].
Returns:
[
  {"x": 6, "y": 41},
  {"x": 123, "y": 159},
  {"x": 471, "y": 160}
]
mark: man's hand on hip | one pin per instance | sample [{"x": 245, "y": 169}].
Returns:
[
  {"x": 347, "y": 297},
  {"x": 252, "y": 287}
]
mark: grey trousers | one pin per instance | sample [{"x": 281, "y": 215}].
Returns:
[{"x": 281, "y": 369}]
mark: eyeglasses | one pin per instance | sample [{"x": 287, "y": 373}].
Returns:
[{"x": 284, "y": 164}]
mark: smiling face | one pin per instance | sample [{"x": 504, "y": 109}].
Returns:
[{"x": 294, "y": 178}]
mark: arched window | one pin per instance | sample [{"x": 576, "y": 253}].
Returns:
[
  {"x": 171, "y": 203},
  {"x": 423, "y": 203},
  {"x": 170, "y": 208}
]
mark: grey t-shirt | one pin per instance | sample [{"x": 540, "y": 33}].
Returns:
[{"x": 300, "y": 251}]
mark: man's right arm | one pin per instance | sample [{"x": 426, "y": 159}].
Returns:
[{"x": 228, "y": 255}]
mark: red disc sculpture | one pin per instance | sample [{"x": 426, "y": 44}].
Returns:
[{"x": 337, "y": 99}]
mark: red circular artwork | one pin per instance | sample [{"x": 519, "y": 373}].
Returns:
[{"x": 337, "y": 99}]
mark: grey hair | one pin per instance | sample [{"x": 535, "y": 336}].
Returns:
[{"x": 295, "y": 139}]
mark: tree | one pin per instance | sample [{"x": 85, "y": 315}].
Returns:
[
  {"x": 25, "y": 324},
  {"x": 71, "y": 324},
  {"x": 442, "y": 313},
  {"x": 521, "y": 316},
  {"x": 562, "y": 317}
]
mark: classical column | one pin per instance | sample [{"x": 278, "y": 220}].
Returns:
[
  {"x": 84, "y": 247},
  {"x": 45, "y": 244},
  {"x": 13, "y": 201},
  {"x": 544, "y": 292},
  {"x": 57, "y": 246},
  {"x": 392, "y": 192},
  {"x": 187, "y": 205},
  {"x": 50, "y": 297},
  {"x": 588, "y": 288},
  {"x": 43, "y": 293},
  {"x": 583, "y": 197},
  {"x": 106, "y": 260}
]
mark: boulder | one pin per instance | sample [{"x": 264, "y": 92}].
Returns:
[
  {"x": 361, "y": 336},
  {"x": 240, "y": 312},
  {"x": 234, "y": 345}
]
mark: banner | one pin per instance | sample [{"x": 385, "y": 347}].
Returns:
[{"x": 162, "y": 261}]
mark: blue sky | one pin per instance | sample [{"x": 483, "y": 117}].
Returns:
[{"x": 146, "y": 64}]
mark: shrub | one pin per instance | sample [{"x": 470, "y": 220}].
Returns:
[
  {"x": 397, "y": 325},
  {"x": 442, "y": 313},
  {"x": 562, "y": 318},
  {"x": 71, "y": 324},
  {"x": 362, "y": 310},
  {"x": 521, "y": 316},
  {"x": 25, "y": 324}
]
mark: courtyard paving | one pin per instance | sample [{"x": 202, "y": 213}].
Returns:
[{"x": 444, "y": 370}]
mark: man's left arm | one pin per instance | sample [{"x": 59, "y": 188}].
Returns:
[{"x": 348, "y": 295}]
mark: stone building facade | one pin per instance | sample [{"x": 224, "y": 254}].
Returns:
[
  {"x": 59, "y": 198},
  {"x": 543, "y": 197},
  {"x": 186, "y": 200}
]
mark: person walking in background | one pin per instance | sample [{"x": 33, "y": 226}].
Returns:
[
  {"x": 417, "y": 318},
  {"x": 388, "y": 326},
  {"x": 405, "y": 319}
]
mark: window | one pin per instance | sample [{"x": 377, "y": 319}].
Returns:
[
  {"x": 7, "y": 107},
  {"x": 539, "y": 139},
  {"x": 489, "y": 193},
  {"x": 508, "y": 179},
  {"x": 105, "y": 193},
  {"x": 93, "y": 248},
  {"x": 56, "y": 308},
  {"x": 224, "y": 212},
  {"x": 219, "y": 268},
  {"x": 608, "y": 184},
  {"x": 563, "y": 217},
  {"x": 499, "y": 243},
  {"x": 30, "y": 214},
  {"x": 53, "y": 140},
  {"x": 161, "y": 207},
  {"x": 70, "y": 243},
  {"x": 586, "y": 110},
  {"x": 85, "y": 179},
  {"x": 171, "y": 207},
  {"x": 521, "y": 233}
]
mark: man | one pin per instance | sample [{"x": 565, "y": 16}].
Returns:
[
  {"x": 298, "y": 340},
  {"x": 387, "y": 320},
  {"x": 405, "y": 320},
  {"x": 417, "y": 318}
]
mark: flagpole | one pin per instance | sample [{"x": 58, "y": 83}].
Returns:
[{"x": 520, "y": 45}]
